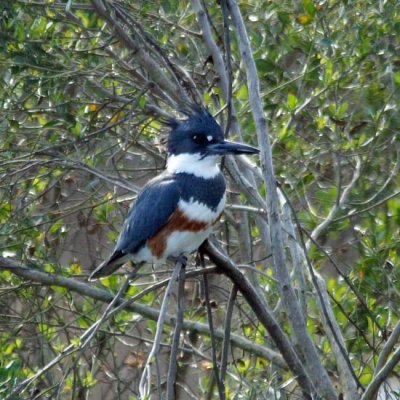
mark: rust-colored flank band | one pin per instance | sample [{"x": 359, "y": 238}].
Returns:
[{"x": 178, "y": 222}]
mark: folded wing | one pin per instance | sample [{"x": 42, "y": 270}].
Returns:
[{"x": 151, "y": 211}]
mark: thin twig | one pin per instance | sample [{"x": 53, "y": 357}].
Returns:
[
  {"x": 220, "y": 386},
  {"x": 154, "y": 70},
  {"x": 145, "y": 380},
  {"x": 351, "y": 286},
  {"x": 318, "y": 230},
  {"x": 173, "y": 362},
  {"x": 107, "y": 312},
  {"x": 227, "y": 331},
  {"x": 211, "y": 45},
  {"x": 334, "y": 333},
  {"x": 366, "y": 209},
  {"x": 37, "y": 275},
  {"x": 84, "y": 339},
  {"x": 228, "y": 63},
  {"x": 359, "y": 330},
  {"x": 387, "y": 348},
  {"x": 380, "y": 377},
  {"x": 263, "y": 314}
]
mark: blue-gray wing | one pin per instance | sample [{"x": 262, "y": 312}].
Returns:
[
  {"x": 149, "y": 214},
  {"x": 151, "y": 211}
]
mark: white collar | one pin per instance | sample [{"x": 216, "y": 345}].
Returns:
[{"x": 206, "y": 167}]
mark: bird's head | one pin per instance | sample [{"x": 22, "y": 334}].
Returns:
[{"x": 196, "y": 143}]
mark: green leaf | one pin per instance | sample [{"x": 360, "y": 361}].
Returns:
[
  {"x": 242, "y": 93},
  {"x": 309, "y": 6},
  {"x": 341, "y": 110},
  {"x": 292, "y": 101}
]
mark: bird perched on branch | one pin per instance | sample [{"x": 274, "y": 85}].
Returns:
[{"x": 175, "y": 211}]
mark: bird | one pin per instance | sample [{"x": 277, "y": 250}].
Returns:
[{"x": 174, "y": 212}]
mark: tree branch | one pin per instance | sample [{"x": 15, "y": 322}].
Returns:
[
  {"x": 372, "y": 389},
  {"x": 388, "y": 347},
  {"x": 35, "y": 274},
  {"x": 348, "y": 379},
  {"x": 265, "y": 317},
  {"x": 220, "y": 386},
  {"x": 148, "y": 64},
  {"x": 212, "y": 46},
  {"x": 145, "y": 380},
  {"x": 318, "y": 230},
  {"x": 227, "y": 330},
  {"x": 313, "y": 363},
  {"x": 173, "y": 362}
]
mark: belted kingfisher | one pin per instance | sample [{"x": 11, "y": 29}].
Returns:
[{"x": 175, "y": 211}]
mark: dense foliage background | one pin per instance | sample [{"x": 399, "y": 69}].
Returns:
[{"x": 81, "y": 104}]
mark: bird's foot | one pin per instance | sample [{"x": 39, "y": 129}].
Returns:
[{"x": 181, "y": 259}]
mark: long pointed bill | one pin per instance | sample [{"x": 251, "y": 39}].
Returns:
[{"x": 227, "y": 147}]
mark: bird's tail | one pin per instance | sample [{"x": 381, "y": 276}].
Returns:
[{"x": 107, "y": 267}]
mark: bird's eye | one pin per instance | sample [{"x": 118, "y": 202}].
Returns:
[
  {"x": 200, "y": 139},
  {"x": 203, "y": 139}
]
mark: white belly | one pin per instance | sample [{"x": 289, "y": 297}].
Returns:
[
  {"x": 178, "y": 243},
  {"x": 185, "y": 242}
]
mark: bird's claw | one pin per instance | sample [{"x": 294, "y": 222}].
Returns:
[{"x": 181, "y": 259}]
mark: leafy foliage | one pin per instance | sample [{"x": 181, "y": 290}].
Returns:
[{"x": 80, "y": 133}]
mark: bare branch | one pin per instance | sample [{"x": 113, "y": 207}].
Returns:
[
  {"x": 366, "y": 209},
  {"x": 249, "y": 209},
  {"x": 297, "y": 256},
  {"x": 263, "y": 314},
  {"x": 212, "y": 46},
  {"x": 313, "y": 363},
  {"x": 245, "y": 177},
  {"x": 220, "y": 385},
  {"x": 348, "y": 378},
  {"x": 149, "y": 65},
  {"x": 145, "y": 381},
  {"x": 227, "y": 330},
  {"x": 346, "y": 374},
  {"x": 173, "y": 362},
  {"x": 387, "y": 348},
  {"x": 380, "y": 377},
  {"x": 84, "y": 340},
  {"x": 35, "y": 274},
  {"x": 338, "y": 205}
]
